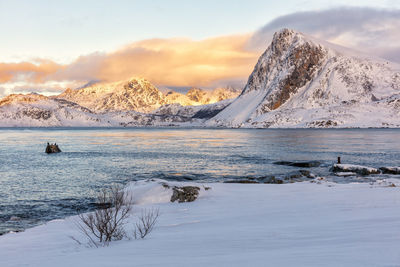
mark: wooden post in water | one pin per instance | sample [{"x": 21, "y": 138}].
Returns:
[{"x": 338, "y": 160}]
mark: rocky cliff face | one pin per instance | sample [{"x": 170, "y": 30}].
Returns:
[
  {"x": 286, "y": 66},
  {"x": 303, "y": 82}
]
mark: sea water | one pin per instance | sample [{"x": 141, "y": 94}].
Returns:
[{"x": 36, "y": 187}]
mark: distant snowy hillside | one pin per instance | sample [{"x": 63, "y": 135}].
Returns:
[
  {"x": 135, "y": 94},
  {"x": 201, "y": 111},
  {"x": 303, "y": 82},
  {"x": 197, "y": 96},
  {"x": 33, "y": 110},
  {"x": 139, "y": 95},
  {"x": 37, "y": 110}
]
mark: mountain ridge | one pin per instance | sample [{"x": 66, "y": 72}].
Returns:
[{"x": 138, "y": 94}]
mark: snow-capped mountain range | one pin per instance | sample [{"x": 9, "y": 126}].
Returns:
[
  {"x": 138, "y": 94},
  {"x": 135, "y": 102},
  {"x": 298, "y": 81}
]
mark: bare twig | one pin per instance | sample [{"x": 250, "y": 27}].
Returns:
[
  {"x": 106, "y": 224},
  {"x": 76, "y": 240},
  {"x": 146, "y": 223}
]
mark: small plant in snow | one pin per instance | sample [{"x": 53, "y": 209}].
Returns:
[
  {"x": 107, "y": 223},
  {"x": 145, "y": 225}
]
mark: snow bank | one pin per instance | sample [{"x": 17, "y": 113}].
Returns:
[
  {"x": 143, "y": 192},
  {"x": 154, "y": 192},
  {"x": 300, "y": 224}
]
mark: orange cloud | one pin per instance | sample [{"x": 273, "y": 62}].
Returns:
[
  {"x": 182, "y": 62},
  {"x": 28, "y": 71},
  {"x": 174, "y": 62}
]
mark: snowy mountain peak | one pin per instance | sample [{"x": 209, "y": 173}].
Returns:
[
  {"x": 290, "y": 62},
  {"x": 300, "y": 81},
  {"x": 133, "y": 94}
]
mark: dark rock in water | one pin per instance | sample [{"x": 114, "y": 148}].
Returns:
[
  {"x": 241, "y": 182},
  {"x": 390, "y": 170},
  {"x": 52, "y": 148},
  {"x": 302, "y": 164},
  {"x": 362, "y": 170},
  {"x": 185, "y": 193}
]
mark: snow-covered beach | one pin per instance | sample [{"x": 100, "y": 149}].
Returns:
[{"x": 298, "y": 224}]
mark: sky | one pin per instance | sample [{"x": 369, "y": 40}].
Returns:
[{"x": 47, "y": 46}]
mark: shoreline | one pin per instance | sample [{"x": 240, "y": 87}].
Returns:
[{"x": 347, "y": 175}]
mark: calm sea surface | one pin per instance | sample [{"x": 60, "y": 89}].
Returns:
[{"x": 36, "y": 187}]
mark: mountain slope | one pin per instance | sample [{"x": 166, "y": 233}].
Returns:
[
  {"x": 303, "y": 82},
  {"x": 197, "y": 96},
  {"x": 135, "y": 94},
  {"x": 33, "y": 110},
  {"x": 139, "y": 95}
]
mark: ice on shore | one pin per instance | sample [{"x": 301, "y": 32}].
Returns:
[{"x": 363, "y": 170}]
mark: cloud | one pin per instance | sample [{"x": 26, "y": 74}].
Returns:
[
  {"x": 33, "y": 72},
  {"x": 176, "y": 62},
  {"x": 219, "y": 61},
  {"x": 375, "y": 31},
  {"x": 46, "y": 88},
  {"x": 84, "y": 68}
]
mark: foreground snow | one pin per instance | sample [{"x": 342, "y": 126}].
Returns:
[{"x": 301, "y": 224}]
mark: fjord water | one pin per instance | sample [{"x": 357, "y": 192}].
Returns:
[{"x": 36, "y": 187}]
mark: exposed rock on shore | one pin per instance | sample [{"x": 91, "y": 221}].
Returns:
[{"x": 185, "y": 193}]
